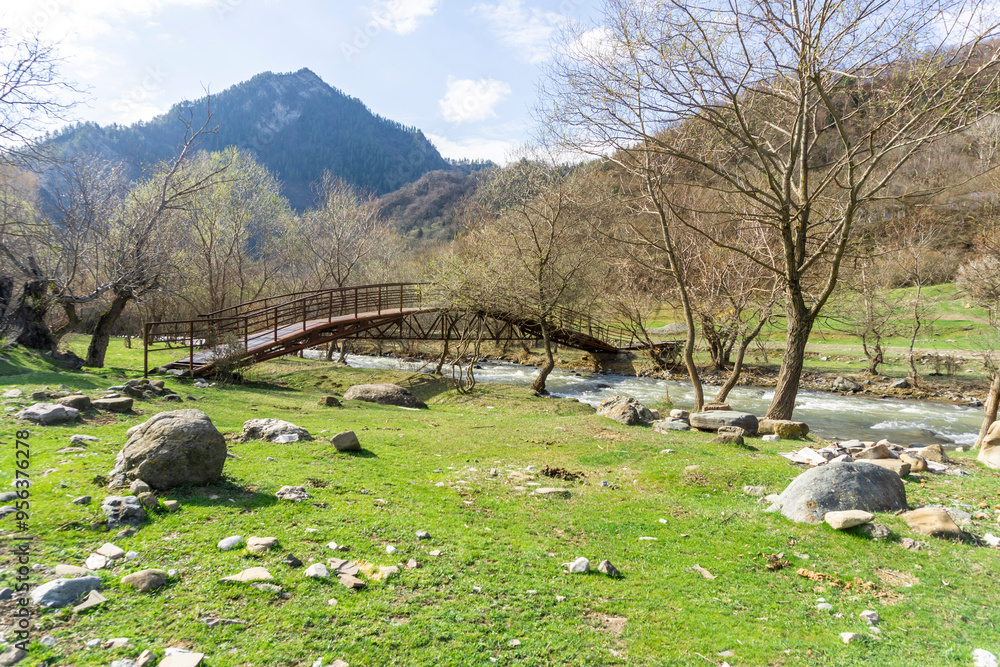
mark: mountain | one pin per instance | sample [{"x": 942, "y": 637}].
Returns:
[
  {"x": 428, "y": 209},
  {"x": 295, "y": 124}
]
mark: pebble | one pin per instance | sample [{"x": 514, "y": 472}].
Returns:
[
  {"x": 261, "y": 544},
  {"x": 93, "y": 643},
  {"x": 230, "y": 543},
  {"x": 824, "y": 606},
  {"x": 423, "y": 535},
  {"x": 579, "y": 566},
  {"x": 560, "y": 598},
  {"x": 389, "y": 549},
  {"x": 871, "y": 616},
  {"x": 291, "y": 561},
  {"x": 607, "y": 568},
  {"x": 412, "y": 564},
  {"x": 436, "y": 552},
  {"x": 82, "y": 500},
  {"x": 317, "y": 571},
  {"x": 48, "y": 640},
  {"x": 850, "y": 637},
  {"x": 131, "y": 555},
  {"x": 338, "y": 547},
  {"x": 983, "y": 658}
]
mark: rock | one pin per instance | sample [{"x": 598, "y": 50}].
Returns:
[
  {"x": 712, "y": 407},
  {"x": 711, "y": 421},
  {"x": 916, "y": 463},
  {"x": 77, "y": 401},
  {"x": 110, "y": 551},
  {"x": 186, "y": 659},
  {"x": 92, "y": 600},
  {"x": 874, "y": 531},
  {"x": 95, "y": 562},
  {"x": 48, "y": 413},
  {"x": 625, "y": 410},
  {"x": 878, "y": 451},
  {"x": 123, "y": 511},
  {"x": 69, "y": 571},
  {"x": 841, "y": 486},
  {"x": 384, "y": 394},
  {"x": 933, "y": 521},
  {"x": 824, "y": 606},
  {"x": 579, "y": 566},
  {"x": 346, "y": 442},
  {"x": 171, "y": 505},
  {"x": 146, "y": 580},
  {"x": 81, "y": 500},
  {"x": 138, "y": 486},
  {"x": 63, "y": 592},
  {"x": 389, "y": 549},
  {"x": 607, "y": 568},
  {"x": 846, "y": 384},
  {"x": 12, "y": 656},
  {"x": 329, "y": 401},
  {"x": 261, "y": 544},
  {"x": 983, "y": 658},
  {"x": 755, "y": 491},
  {"x": 679, "y": 414},
  {"x": 783, "y": 428},
  {"x": 272, "y": 429},
  {"x": 770, "y": 437},
  {"x": 119, "y": 405},
  {"x": 252, "y": 574},
  {"x": 871, "y": 616},
  {"x": 850, "y": 637},
  {"x": 293, "y": 493},
  {"x": 340, "y": 566},
  {"x": 733, "y": 430},
  {"x": 844, "y": 519},
  {"x": 552, "y": 492},
  {"x": 149, "y": 501},
  {"x": 172, "y": 449},
  {"x": 989, "y": 450},
  {"x": 12, "y": 393},
  {"x": 6, "y": 593},
  {"x": 145, "y": 659},
  {"x": 317, "y": 571},
  {"x": 230, "y": 543},
  {"x": 83, "y": 440},
  {"x": 412, "y": 564},
  {"x": 934, "y": 453},
  {"x": 350, "y": 581},
  {"x": 423, "y": 535},
  {"x": 899, "y": 467},
  {"x": 727, "y": 439},
  {"x": 671, "y": 424},
  {"x": 901, "y": 383},
  {"x": 291, "y": 561},
  {"x": 989, "y": 538}
]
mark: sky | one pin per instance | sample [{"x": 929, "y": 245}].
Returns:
[{"x": 466, "y": 73}]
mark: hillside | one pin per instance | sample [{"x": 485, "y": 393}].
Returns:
[
  {"x": 295, "y": 124},
  {"x": 428, "y": 208}
]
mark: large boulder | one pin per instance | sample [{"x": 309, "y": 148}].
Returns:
[
  {"x": 783, "y": 428},
  {"x": 63, "y": 592},
  {"x": 841, "y": 486},
  {"x": 716, "y": 419},
  {"x": 625, "y": 410},
  {"x": 75, "y": 401},
  {"x": 274, "y": 430},
  {"x": 384, "y": 394},
  {"x": 48, "y": 413},
  {"x": 846, "y": 384},
  {"x": 989, "y": 450},
  {"x": 172, "y": 449}
]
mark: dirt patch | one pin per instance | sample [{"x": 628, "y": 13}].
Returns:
[
  {"x": 895, "y": 578},
  {"x": 610, "y": 436},
  {"x": 613, "y": 625},
  {"x": 562, "y": 473}
]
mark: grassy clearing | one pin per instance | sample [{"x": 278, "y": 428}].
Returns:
[{"x": 500, "y": 571}]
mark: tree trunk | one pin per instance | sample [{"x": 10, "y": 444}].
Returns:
[
  {"x": 102, "y": 330},
  {"x": 344, "y": 349},
  {"x": 444, "y": 355},
  {"x": 734, "y": 375},
  {"x": 29, "y": 318},
  {"x": 72, "y": 319},
  {"x": 800, "y": 324},
  {"x": 992, "y": 405},
  {"x": 550, "y": 361}
]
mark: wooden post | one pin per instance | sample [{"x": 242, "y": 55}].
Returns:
[{"x": 191, "y": 348}]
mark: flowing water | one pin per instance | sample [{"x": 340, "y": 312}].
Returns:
[{"x": 829, "y": 415}]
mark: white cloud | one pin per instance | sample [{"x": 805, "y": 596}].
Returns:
[
  {"x": 528, "y": 31},
  {"x": 476, "y": 148},
  {"x": 470, "y": 100},
  {"x": 402, "y": 16},
  {"x": 596, "y": 43}
]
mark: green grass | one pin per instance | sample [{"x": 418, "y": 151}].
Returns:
[{"x": 502, "y": 549}]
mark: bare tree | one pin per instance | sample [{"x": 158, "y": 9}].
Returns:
[{"x": 790, "y": 119}]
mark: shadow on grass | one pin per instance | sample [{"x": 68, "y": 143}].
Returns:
[
  {"x": 361, "y": 454},
  {"x": 201, "y": 496}
]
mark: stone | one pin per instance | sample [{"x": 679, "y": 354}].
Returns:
[
  {"x": 824, "y": 606},
  {"x": 350, "y": 581},
  {"x": 844, "y": 519},
  {"x": 384, "y": 394},
  {"x": 149, "y": 501},
  {"x": 783, "y": 428},
  {"x": 261, "y": 544},
  {"x": 172, "y": 449},
  {"x": 272, "y": 429},
  {"x": 63, "y": 592},
  {"x": 329, "y": 401},
  {"x": 899, "y": 467},
  {"x": 110, "y": 551},
  {"x": 901, "y": 383},
  {"x": 755, "y": 491},
  {"x": 182, "y": 660},
  {"x": 423, "y": 535},
  {"x": 989, "y": 450},
  {"x": 138, "y": 486},
  {"x": 841, "y": 486},
  {"x": 933, "y": 521},
  {"x": 552, "y": 492},
  {"x": 123, "y": 511},
  {"x": 389, "y": 549},
  {"x": 346, "y": 442},
  {"x": 846, "y": 384},
  {"x": 579, "y": 566},
  {"x": 145, "y": 581},
  {"x": 294, "y": 493},
  {"x": 119, "y": 405},
  {"x": 850, "y": 637},
  {"x": 727, "y": 439},
  {"x": 871, "y": 616},
  {"x": 12, "y": 393},
  {"x": 171, "y": 505},
  {"x": 83, "y": 440},
  {"x": 386, "y": 571},
  {"x": 230, "y": 543},
  {"x": 983, "y": 658},
  {"x": 679, "y": 414},
  {"x": 934, "y": 453},
  {"x": 665, "y": 426},
  {"x": 69, "y": 571},
  {"x": 874, "y": 531},
  {"x": 713, "y": 407},
  {"x": 607, "y": 568},
  {"x": 48, "y": 413},
  {"x": 145, "y": 659},
  {"x": 81, "y": 500},
  {"x": 6, "y": 593},
  {"x": 412, "y": 564},
  {"x": 12, "y": 656},
  {"x": 77, "y": 401},
  {"x": 340, "y": 566},
  {"x": 878, "y": 451},
  {"x": 435, "y": 553},
  {"x": 625, "y": 410},
  {"x": 712, "y": 420},
  {"x": 92, "y": 600},
  {"x": 251, "y": 574},
  {"x": 317, "y": 571},
  {"x": 733, "y": 430},
  {"x": 916, "y": 463},
  {"x": 770, "y": 437}
]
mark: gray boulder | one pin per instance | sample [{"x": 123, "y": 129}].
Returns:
[
  {"x": 384, "y": 394},
  {"x": 671, "y": 425},
  {"x": 901, "y": 383},
  {"x": 716, "y": 419},
  {"x": 172, "y": 449},
  {"x": 123, "y": 511},
  {"x": 272, "y": 430},
  {"x": 119, "y": 404},
  {"x": 846, "y": 384},
  {"x": 346, "y": 442},
  {"x": 76, "y": 401},
  {"x": 48, "y": 413},
  {"x": 63, "y": 592},
  {"x": 841, "y": 486},
  {"x": 625, "y": 410}
]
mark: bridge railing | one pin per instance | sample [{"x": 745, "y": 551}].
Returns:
[{"x": 266, "y": 321}]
